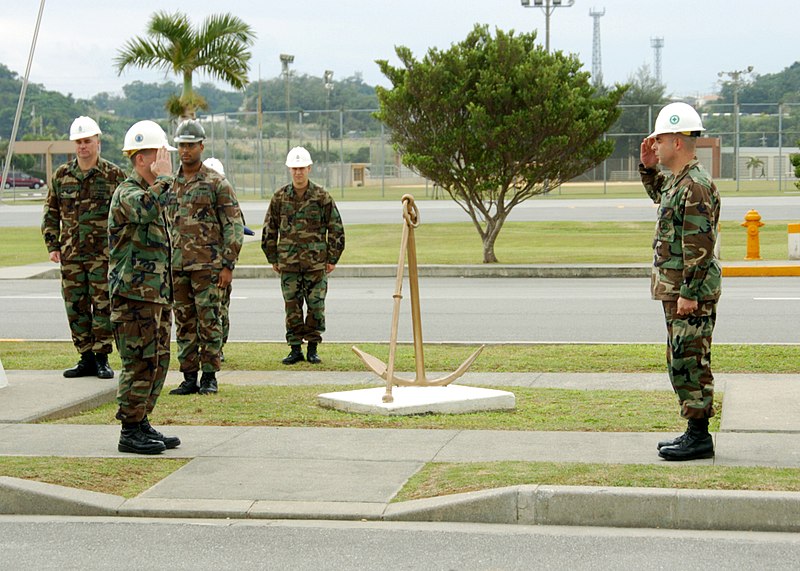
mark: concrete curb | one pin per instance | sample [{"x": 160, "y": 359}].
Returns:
[
  {"x": 523, "y": 505},
  {"x": 738, "y": 269},
  {"x": 612, "y": 507},
  {"x": 29, "y": 497}
]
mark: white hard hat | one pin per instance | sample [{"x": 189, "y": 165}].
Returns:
[
  {"x": 82, "y": 128},
  {"x": 298, "y": 157},
  {"x": 215, "y": 164},
  {"x": 678, "y": 118},
  {"x": 145, "y": 135}
]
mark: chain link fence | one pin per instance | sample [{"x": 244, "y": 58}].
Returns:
[
  {"x": 352, "y": 151},
  {"x": 354, "y": 158}
]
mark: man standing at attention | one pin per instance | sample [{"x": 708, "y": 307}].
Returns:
[
  {"x": 207, "y": 234},
  {"x": 75, "y": 229},
  {"x": 686, "y": 276},
  {"x": 140, "y": 283},
  {"x": 303, "y": 239}
]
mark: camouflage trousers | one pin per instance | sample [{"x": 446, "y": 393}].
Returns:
[
  {"x": 689, "y": 357},
  {"x": 141, "y": 330},
  {"x": 307, "y": 288},
  {"x": 198, "y": 330},
  {"x": 224, "y": 313},
  {"x": 84, "y": 287}
]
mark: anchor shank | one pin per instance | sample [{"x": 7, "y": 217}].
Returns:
[{"x": 416, "y": 318}]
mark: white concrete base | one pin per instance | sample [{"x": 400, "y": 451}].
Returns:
[
  {"x": 452, "y": 399},
  {"x": 3, "y": 377}
]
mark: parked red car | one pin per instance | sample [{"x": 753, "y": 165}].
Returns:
[{"x": 17, "y": 179}]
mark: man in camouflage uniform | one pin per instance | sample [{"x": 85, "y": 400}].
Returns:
[
  {"x": 207, "y": 234},
  {"x": 140, "y": 283},
  {"x": 224, "y": 311},
  {"x": 75, "y": 229},
  {"x": 686, "y": 275},
  {"x": 303, "y": 239}
]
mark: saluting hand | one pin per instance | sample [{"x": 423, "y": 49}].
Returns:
[
  {"x": 647, "y": 156},
  {"x": 163, "y": 163}
]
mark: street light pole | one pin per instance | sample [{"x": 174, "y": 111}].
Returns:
[
  {"x": 286, "y": 59},
  {"x": 328, "y": 82},
  {"x": 547, "y": 6},
  {"x": 736, "y": 81}
]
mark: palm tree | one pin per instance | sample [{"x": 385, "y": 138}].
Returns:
[
  {"x": 219, "y": 48},
  {"x": 753, "y": 163}
]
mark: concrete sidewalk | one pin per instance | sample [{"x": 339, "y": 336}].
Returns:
[{"x": 330, "y": 473}]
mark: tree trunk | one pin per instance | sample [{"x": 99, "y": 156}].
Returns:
[
  {"x": 488, "y": 250},
  {"x": 493, "y": 226}
]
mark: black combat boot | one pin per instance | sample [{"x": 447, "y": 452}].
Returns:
[
  {"x": 153, "y": 434},
  {"x": 188, "y": 386},
  {"x": 104, "y": 371},
  {"x": 311, "y": 354},
  {"x": 133, "y": 440},
  {"x": 673, "y": 441},
  {"x": 86, "y": 367},
  {"x": 295, "y": 356},
  {"x": 698, "y": 443},
  {"x": 208, "y": 383}
]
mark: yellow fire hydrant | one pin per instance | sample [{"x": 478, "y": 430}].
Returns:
[{"x": 752, "y": 221}]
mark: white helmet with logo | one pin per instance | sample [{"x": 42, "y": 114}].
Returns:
[
  {"x": 215, "y": 165},
  {"x": 82, "y": 128},
  {"x": 298, "y": 157},
  {"x": 145, "y": 135},
  {"x": 678, "y": 118}
]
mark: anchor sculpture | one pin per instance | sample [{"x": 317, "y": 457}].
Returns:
[{"x": 386, "y": 370}]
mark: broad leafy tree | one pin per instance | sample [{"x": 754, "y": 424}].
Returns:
[
  {"x": 495, "y": 120},
  {"x": 640, "y": 105},
  {"x": 219, "y": 48}
]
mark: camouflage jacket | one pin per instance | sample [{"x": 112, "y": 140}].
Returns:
[
  {"x": 302, "y": 234},
  {"x": 206, "y": 223},
  {"x": 684, "y": 264},
  {"x": 138, "y": 237},
  {"x": 75, "y": 220}
]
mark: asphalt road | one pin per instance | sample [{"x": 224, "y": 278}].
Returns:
[
  {"x": 43, "y": 543},
  {"x": 539, "y": 209},
  {"x": 752, "y": 310}
]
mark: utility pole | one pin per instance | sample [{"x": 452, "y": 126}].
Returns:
[
  {"x": 328, "y": 84},
  {"x": 286, "y": 59},
  {"x": 547, "y": 6},
  {"x": 736, "y": 81}
]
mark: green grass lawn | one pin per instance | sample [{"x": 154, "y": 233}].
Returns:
[
  {"x": 459, "y": 243},
  {"x": 536, "y": 409},
  {"x": 503, "y": 358},
  {"x": 533, "y": 243}
]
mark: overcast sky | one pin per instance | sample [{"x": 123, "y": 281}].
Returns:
[{"x": 78, "y": 39}]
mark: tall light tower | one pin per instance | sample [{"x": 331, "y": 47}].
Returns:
[
  {"x": 657, "y": 44},
  {"x": 286, "y": 59},
  {"x": 597, "y": 60},
  {"x": 547, "y": 6}
]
